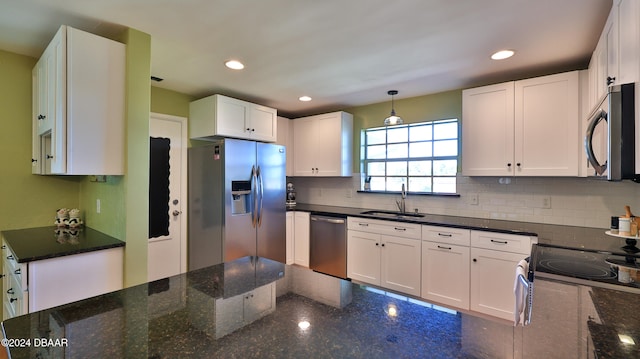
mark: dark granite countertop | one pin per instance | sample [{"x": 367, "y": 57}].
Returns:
[
  {"x": 144, "y": 321},
  {"x": 620, "y": 316},
  {"x": 585, "y": 238},
  {"x": 39, "y": 243}
]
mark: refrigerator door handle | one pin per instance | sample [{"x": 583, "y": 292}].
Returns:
[
  {"x": 254, "y": 197},
  {"x": 260, "y": 197}
]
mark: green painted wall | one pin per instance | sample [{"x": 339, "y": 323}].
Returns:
[
  {"x": 438, "y": 106},
  {"x": 26, "y": 200},
  {"x": 170, "y": 102}
]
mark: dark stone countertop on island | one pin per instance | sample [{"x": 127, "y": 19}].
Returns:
[
  {"x": 144, "y": 321},
  {"x": 39, "y": 243}
]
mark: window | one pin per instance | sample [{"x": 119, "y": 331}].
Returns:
[{"x": 423, "y": 156}]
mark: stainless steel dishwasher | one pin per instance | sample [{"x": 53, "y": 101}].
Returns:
[{"x": 328, "y": 245}]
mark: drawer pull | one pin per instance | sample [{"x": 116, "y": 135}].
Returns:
[
  {"x": 399, "y": 229},
  {"x": 13, "y": 300},
  {"x": 18, "y": 271},
  {"x": 499, "y": 242},
  {"x": 10, "y": 257},
  {"x": 441, "y": 247},
  {"x": 10, "y": 291},
  {"x": 445, "y": 234},
  {"x": 363, "y": 224}
]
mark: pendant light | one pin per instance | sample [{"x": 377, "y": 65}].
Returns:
[{"x": 392, "y": 119}]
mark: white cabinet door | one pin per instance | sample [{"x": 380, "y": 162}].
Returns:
[
  {"x": 262, "y": 123},
  {"x": 301, "y": 242},
  {"x": 259, "y": 302},
  {"x": 487, "y": 130},
  {"x": 285, "y": 138},
  {"x": 492, "y": 278},
  {"x": 629, "y": 40},
  {"x": 290, "y": 234},
  {"x": 400, "y": 264},
  {"x": 445, "y": 273},
  {"x": 322, "y": 145},
  {"x": 547, "y": 125},
  {"x": 363, "y": 257}
]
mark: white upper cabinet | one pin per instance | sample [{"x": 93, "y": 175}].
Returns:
[
  {"x": 522, "y": 128},
  {"x": 221, "y": 116},
  {"x": 322, "y": 145},
  {"x": 285, "y": 138},
  {"x": 78, "y": 106}
]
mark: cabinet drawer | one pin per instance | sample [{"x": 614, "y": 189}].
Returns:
[
  {"x": 502, "y": 242},
  {"x": 456, "y": 236},
  {"x": 11, "y": 264},
  {"x": 392, "y": 228}
]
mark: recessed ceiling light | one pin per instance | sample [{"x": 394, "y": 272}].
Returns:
[
  {"x": 234, "y": 64},
  {"x": 502, "y": 54},
  {"x": 304, "y": 98}
]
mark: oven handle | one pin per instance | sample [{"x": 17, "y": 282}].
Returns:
[
  {"x": 528, "y": 305},
  {"x": 588, "y": 141}
]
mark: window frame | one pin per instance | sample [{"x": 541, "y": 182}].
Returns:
[{"x": 407, "y": 176}]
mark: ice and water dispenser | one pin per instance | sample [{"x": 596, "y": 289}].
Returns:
[{"x": 240, "y": 197}]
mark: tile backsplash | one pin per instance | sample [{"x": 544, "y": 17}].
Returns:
[{"x": 565, "y": 201}]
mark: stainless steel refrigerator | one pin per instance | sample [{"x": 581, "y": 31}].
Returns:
[{"x": 236, "y": 202}]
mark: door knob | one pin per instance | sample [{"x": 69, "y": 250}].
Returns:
[{"x": 176, "y": 213}]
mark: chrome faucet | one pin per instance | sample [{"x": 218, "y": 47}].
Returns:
[{"x": 401, "y": 204}]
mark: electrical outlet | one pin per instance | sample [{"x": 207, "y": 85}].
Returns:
[
  {"x": 348, "y": 193},
  {"x": 546, "y": 202},
  {"x": 473, "y": 199},
  {"x": 98, "y": 205}
]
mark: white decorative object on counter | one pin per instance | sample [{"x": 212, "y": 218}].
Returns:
[
  {"x": 74, "y": 218},
  {"x": 62, "y": 217}
]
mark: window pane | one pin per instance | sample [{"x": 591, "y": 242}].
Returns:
[
  {"x": 420, "y": 133},
  {"x": 378, "y": 184},
  {"x": 376, "y": 137},
  {"x": 420, "y": 168},
  {"x": 397, "y": 168},
  {"x": 375, "y": 169},
  {"x": 419, "y": 184},
  {"x": 395, "y": 183},
  {"x": 397, "y": 151},
  {"x": 445, "y": 148},
  {"x": 420, "y": 149},
  {"x": 398, "y": 134},
  {"x": 376, "y": 152},
  {"x": 445, "y": 131},
  {"x": 445, "y": 167},
  {"x": 444, "y": 184}
]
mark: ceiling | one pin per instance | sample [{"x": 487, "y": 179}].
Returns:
[{"x": 342, "y": 53}]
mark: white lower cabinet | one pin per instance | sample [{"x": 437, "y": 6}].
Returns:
[
  {"x": 233, "y": 313},
  {"x": 494, "y": 257},
  {"x": 290, "y": 232},
  {"x": 42, "y": 284},
  {"x": 376, "y": 257},
  {"x": 301, "y": 236},
  {"x": 445, "y": 265}
]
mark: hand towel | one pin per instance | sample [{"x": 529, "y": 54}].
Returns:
[{"x": 520, "y": 292}]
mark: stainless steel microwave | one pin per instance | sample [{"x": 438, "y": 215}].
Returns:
[{"x": 610, "y": 136}]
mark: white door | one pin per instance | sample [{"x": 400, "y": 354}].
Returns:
[{"x": 167, "y": 248}]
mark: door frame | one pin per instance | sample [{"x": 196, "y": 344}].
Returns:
[{"x": 183, "y": 182}]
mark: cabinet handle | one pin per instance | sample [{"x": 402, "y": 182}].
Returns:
[
  {"x": 377, "y": 244},
  {"x": 10, "y": 257},
  {"x": 2, "y": 275},
  {"x": 610, "y": 80},
  {"x": 441, "y": 247},
  {"x": 13, "y": 300},
  {"x": 382, "y": 244},
  {"x": 399, "y": 229},
  {"x": 49, "y": 157},
  {"x": 363, "y": 224},
  {"x": 509, "y": 164},
  {"x": 41, "y": 117},
  {"x": 499, "y": 242},
  {"x": 518, "y": 164},
  {"x": 474, "y": 260},
  {"x": 33, "y": 160},
  {"x": 10, "y": 291},
  {"x": 4, "y": 247},
  {"x": 445, "y": 234},
  {"x": 18, "y": 271}
]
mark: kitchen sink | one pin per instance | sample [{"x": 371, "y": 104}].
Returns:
[{"x": 392, "y": 214}]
